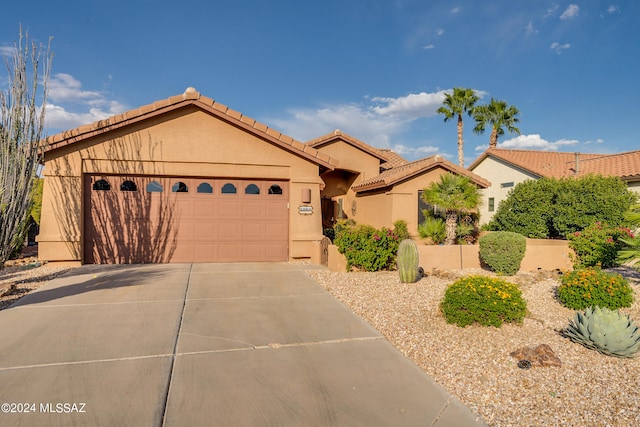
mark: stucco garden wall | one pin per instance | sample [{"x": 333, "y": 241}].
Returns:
[{"x": 540, "y": 254}]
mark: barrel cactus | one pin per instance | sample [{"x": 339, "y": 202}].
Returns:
[
  {"x": 606, "y": 331},
  {"x": 407, "y": 260}
]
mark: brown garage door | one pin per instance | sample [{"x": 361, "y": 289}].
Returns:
[{"x": 142, "y": 219}]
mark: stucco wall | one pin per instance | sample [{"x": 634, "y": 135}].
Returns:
[
  {"x": 187, "y": 142},
  {"x": 497, "y": 173},
  {"x": 539, "y": 255}
]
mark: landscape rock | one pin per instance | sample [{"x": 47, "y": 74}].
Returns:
[{"x": 539, "y": 356}]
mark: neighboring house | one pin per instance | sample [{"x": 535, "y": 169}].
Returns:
[
  {"x": 187, "y": 179},
  {"x": 504, "y": 169},
  {"x": 378, "y": 187}
]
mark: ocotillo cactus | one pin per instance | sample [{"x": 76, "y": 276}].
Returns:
[{"x": 407, "y": 260}]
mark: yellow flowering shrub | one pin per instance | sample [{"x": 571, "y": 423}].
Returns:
[
  {"x": 485, "y": 300},
  {"x": 591, "y": 287}
]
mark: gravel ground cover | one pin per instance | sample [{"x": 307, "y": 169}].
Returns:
[
  {"x": 19, "y": 277},
  {"x": 474, "y": 364}
]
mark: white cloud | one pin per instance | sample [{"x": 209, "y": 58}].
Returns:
[
  {"x": 64, "y": 87},
  {"x": 71, "y": 106},
  {"x": 439, "y": 32},
  {"x": 415, "y": 152},
  {"x": 456, "y": 9},
  {"x": 531, "y": 142},
  {"x": 571, "y": 12},
  {"x": 412, "y": 106},
  {"x": 558, "y": 48},
  {"x": 359, "y": 121},
  {"x": 429, "y": 46},
  {"x": 530, "y": 28},
  {"x": 552, "y": 10},
  {"x": 613, "y": 9}
]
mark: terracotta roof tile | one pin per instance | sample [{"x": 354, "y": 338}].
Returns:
[
  {"x": 409, "y": 170},
  {"x": 339, "y": 135},
  {"x": 190, "y": 97},
  {"x": 393, "y": 159},
  {"x": 554, "y": 164}
]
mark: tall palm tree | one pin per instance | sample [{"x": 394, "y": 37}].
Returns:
[
  {"x": 500, "y": 116},
  {"x": 455, "y": 105},
  {"x": 455, "y": 194}
]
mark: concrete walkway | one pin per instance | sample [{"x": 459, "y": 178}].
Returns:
[{"x": 205, "y": 345}]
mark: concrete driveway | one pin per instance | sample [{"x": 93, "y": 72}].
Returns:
[{"x": 205, "y": 345}]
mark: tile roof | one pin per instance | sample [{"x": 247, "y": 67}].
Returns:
[
  {"x": 409, "y": 170},
  {"x": 553, "y": 164},
  {"x": 393, "y": 159},
  {"x": 338, "y": 135},
  {"x": 189, "y": 97}
]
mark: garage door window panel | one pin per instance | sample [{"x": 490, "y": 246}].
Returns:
[
  {"x": 128, "y": 186},
  {"x": 275, "y": 189},
  {"x": 252, "y": 189},
  {"x": 229, "y": 188},
  {"x": 102, "y": 185},
  {"x": 205, "y": 188},
  {"x": 154, "y": 187},
  {"x": 180, "y": 187}
]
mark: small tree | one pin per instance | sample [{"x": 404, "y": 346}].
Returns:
[
  {"x": 455, "y": 194},
  {"x": 21, "y": 129}
]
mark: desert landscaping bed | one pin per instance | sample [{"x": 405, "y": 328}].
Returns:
[{"x": 474, "y": 364}]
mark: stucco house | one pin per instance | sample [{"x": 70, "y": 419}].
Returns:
[
  {"x": 187, "y": 179},
  {"x": 378, "y": 187},
  {"x": 504, "y": 169}
]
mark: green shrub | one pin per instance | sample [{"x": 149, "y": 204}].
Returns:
[
  {"x": 484, "y": 300},
  {"x": 367, "y": 248},
  {"x": 503, "y": 251},
  {"x": 401, "y": 229},
  {"x": 557, "y": 208},
  {"x": 598, "y": 245},
  {"x": 591, "y": 287},
  {"x": 433, "y": 228}
]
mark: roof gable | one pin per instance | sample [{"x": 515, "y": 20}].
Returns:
[
  {"x": 339, "y": 136},
  {"x": 554, "y": 164},
  {"x": 409, "y": 170},
  {"x": 190, "y": 97}
]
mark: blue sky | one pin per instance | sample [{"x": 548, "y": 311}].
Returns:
[{"x": 376, "y": 69}]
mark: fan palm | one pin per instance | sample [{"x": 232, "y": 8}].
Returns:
[
  {"x": 454, "y": 194},
  {"x": 500, "y": 116},
  {"x": 630, "y": 253},
  {"x": 455, "y": 105}
]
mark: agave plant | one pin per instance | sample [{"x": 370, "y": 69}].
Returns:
[{"x": 606, "y": 331}]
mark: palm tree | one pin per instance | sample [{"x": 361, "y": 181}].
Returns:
[
  {"x": 500, "y": 116},
  {"x": 455, "y": 105},
  {"x": 455, "y": 194}
]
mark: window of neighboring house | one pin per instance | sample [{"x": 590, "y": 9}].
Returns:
[
  {"x": 154, "y": 187},
  {"x": 180, "y": 187},
  {"x": 252, "y": 189},
  {"x": 205, "y": 187},
  {"x": 492, "y": 201},
  {"x": 506, "y": 184},
  {"x": 101, "y": 185},
  {"x": 275, "y": 189},
  {"x": 128, "y": 186},
  {"x": 228, "y": 188}
]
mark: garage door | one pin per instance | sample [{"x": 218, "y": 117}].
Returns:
[{"x": 143, "y": 219}]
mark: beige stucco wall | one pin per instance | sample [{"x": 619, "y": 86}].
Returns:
[
  {"x": 540, "y": 255},
  {"x": 497, "y": 172},
  {"x": 186, "y": 142},
  {"x": 400, "y": 202}
]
